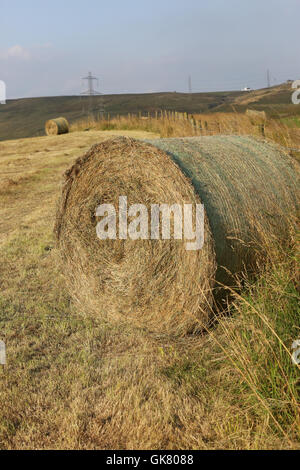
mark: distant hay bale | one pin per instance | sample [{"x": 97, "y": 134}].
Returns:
[
  {"x": 57, "y": 126},
  {"x": 247, "y": 186},
  {"x": 256, "y": 116}
]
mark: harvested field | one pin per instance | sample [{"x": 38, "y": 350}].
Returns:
[{"x": 75, "y": 381}]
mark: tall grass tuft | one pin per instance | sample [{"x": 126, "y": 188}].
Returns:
[{"x": 256, "y": 342}]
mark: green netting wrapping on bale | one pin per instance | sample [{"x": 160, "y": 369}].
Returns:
[{"x": 249, "y": 191}]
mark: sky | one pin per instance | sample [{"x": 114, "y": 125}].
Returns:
[{"x": 142, "y": 46}]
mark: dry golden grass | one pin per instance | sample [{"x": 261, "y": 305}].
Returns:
[
  {"x": 171, "y": 124},
  {"x": 73, "y": 381}
]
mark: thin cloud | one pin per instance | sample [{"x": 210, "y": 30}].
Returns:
[{"x": 15, "y": 52}]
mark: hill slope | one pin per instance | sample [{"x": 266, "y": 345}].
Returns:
[
  {"x": 26, "y": 117},
  {"x": 276, "y": 101}
]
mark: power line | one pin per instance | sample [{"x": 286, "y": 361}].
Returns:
[
  {"x": 90, "y": 91},
  {"x": 93, "y": 105}
]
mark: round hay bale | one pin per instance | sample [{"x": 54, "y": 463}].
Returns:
[
  {"x": 156, "y": 283},
  {"x": 248, "y": 187},
  {"x": 256, "y": 116},
  {"x": 57, "y": 126}
]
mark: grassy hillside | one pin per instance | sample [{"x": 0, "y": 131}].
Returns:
[
  {"x": 276, "y": 101},
  {"x": 26, "y": 117}
]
